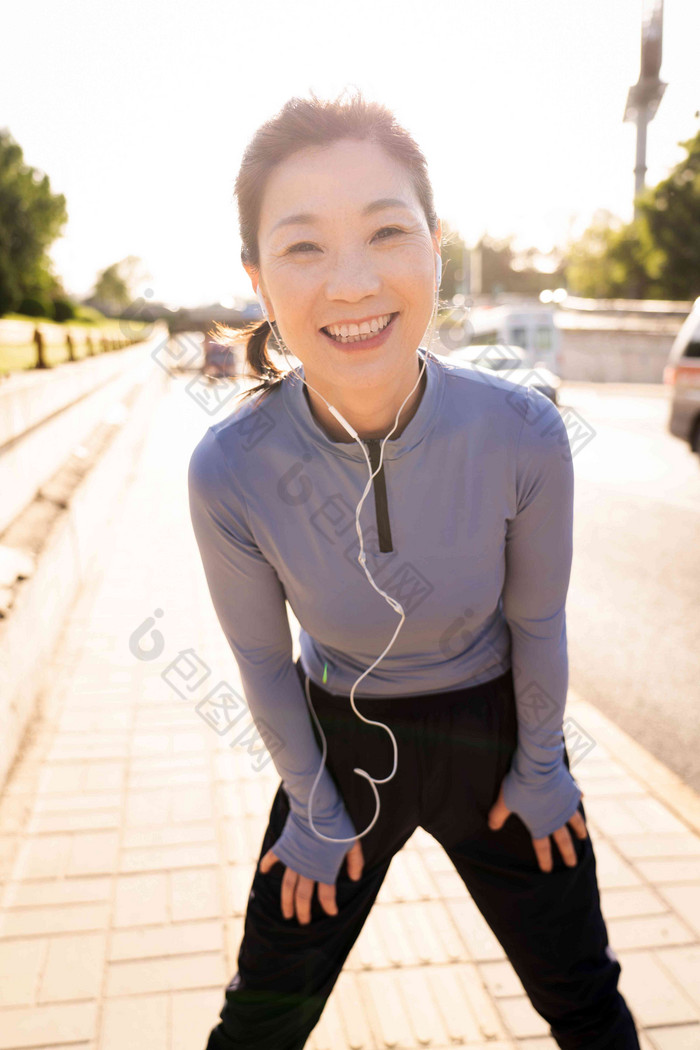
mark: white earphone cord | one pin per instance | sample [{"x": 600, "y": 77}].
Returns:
[{"x": 395, "y": 605}]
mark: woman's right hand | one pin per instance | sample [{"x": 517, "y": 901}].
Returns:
[{"x": 298, "y": 890}]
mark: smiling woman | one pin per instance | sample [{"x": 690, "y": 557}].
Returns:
[
  {"x": 360, "y": 250},
  {"x": 470, "y": 533},
  {"x": 357, "y": 248}
]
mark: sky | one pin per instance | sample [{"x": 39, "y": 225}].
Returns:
[{"x": 139, "y": 112}]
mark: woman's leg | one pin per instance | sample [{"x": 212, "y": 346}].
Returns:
[
  {"x": 286, "y": 970},
  {"x": 549, "y": 923}
]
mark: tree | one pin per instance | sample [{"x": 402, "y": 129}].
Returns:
[
  {"x": 670, "y": 229},
  {"x": 657, "y": 255},
  {"x": 31, "y": 218},
  {"x": 606, "y": 262},
  {"x": 452, "y": 248},
  {"x": 114, "y": 287},
  {"x": 502, "y": 269}
]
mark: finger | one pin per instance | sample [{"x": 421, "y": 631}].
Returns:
[
  {"x": 302, "y": 898},
  {"x": 326, "y": 898},
  {"x": 498, "y": 814},
  {"x": 267, "y": 861},
  {"x": 543, "y": 849},
  {"x": 289, "y": 881},
  {"x": 355, "y": 862},
  {"x": 566, "y": 846},
  {"x": 354, "y": 868},
  {"x": 579, "y": 825}
]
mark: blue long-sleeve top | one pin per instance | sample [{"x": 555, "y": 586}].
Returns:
[{"x": 468, "y": 525}]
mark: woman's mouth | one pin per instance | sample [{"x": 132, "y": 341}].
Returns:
[{"x": 355, "y": 339}]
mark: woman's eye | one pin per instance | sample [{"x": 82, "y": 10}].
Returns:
[
  {"x": 388, "y": 229},
  {"x": 301, "y": 244}
]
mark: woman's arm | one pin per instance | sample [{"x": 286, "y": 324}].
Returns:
[
  {"x": 539, "y": 547},
  {"x": 249, "y": 601}
]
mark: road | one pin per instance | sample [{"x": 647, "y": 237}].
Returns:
[{"x": 633, "y": 611}]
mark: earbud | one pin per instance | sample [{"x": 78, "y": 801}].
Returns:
[
  {"x": 258, "y": 296},
  {"x": 438, "y": 268}
]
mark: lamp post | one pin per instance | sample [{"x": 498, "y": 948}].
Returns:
[{"x": 643, "y": 97}]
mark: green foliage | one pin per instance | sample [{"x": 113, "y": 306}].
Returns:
[
  {"x": 114, "y": 288},
  {"x": 63, "y": 310},
  {"x": 670, "y": 219},
  {"x": 33, "y": 306},
  {"x": 88, "y": 315},
  {"x": 606, "y": 263},
  {"x": 31, "y": 217},
  {"x": 657, "y": 255},
  {"x": 452, "y": 249},
  {"x": 502, "y": 269},
  {"x": 111, "y": 288}
]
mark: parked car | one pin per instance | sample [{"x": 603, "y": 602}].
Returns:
[
  {"x": 531, "y": 326},
  {"x": 682, "y": 374},
  {"x": 219, "y": 360},
  {"x": 513, "y": 363}
]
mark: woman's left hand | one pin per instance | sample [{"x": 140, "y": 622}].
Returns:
[{"x": 499, "y": 813}]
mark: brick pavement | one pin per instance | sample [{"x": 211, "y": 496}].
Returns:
[{"x": 129, "y": 831}]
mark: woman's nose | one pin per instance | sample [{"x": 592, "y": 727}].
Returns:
[{"x": 352, "y": 276}]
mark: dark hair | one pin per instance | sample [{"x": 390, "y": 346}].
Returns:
[{"x": 299, "y": 124}]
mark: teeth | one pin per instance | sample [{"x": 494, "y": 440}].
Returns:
[{"x": 354, "y": 332}]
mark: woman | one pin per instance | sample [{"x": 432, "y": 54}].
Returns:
[{"x": 467, "y": 535}]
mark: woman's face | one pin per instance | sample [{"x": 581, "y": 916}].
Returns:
[{"x": 344, "y": 240}]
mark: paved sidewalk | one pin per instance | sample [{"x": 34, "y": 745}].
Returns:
[{"x": 130, "y": 828}]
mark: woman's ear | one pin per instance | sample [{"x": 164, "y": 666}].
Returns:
[{"x": 254, "y": 275}]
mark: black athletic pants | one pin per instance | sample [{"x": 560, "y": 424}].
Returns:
[{"x": 454, "y": 749}]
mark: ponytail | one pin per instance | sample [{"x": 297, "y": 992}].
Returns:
[{"x": 258, "y": 363}]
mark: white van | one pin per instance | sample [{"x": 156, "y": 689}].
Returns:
[
  {"x": 530, "y": 326},
  {"x": 682, "y": 373}
]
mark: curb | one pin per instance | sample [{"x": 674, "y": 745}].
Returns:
[{"x": 660, "y": 782}]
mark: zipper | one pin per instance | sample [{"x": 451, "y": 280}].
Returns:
[{"x": 380, "y": 500}]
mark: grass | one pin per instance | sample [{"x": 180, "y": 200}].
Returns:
[{"x": 22, "y": 357}]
